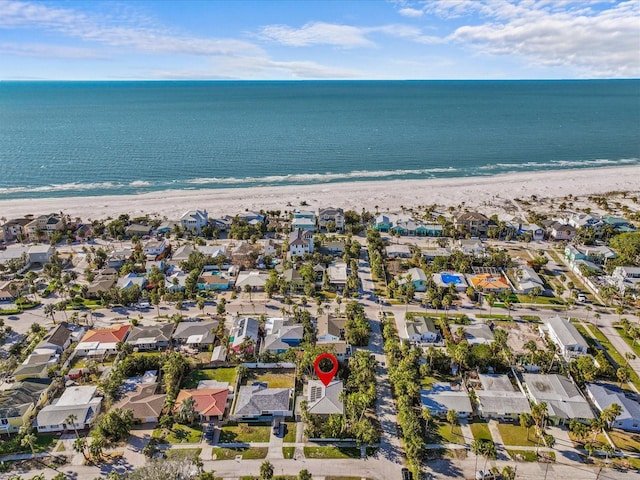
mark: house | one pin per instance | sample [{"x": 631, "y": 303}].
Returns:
[
  {"x": 213, "y": 279},
  {"x": 597, "y": 254},
  {"x": 382, "y": 223},
  {"x": 330, "y": 328},
  {"x": 197, "y": 335},
  {"x": 254, "y": 278},
  {"x": 210, "y": 403},
  {"x": 181, "y": 254},
  {"x": 566, "y": 337},
  {"x": 473, "y": 223},
  {"x": 340, "y": 348},
  {"x": 243, "y": 330},
  {"x": 398, "y": 251},
  {"x": 499, "y": 399},
  {"x": 176, "y": 282},
  {"x": 281, "y": 335},
  {"x": 603, "y": 396},
  {"x": 44, "y": 226},
  {"x": 293, "y": 278},
  {"x": 117, "y": 258},
  {"x": 166, "y": 227},
  {"x": 432, "y": 253},
  {"x": 102, "y": 282},
  {"x": 429, "y": 230},
  {"x": 536, "y": 232},
  {"x": 444, "y": 396},
  {"x": 219, "y": 354},
  {"x": 12, "y": 229},
  {"x": 300, "y": 242},
  {"x": 80, "y": 401},
  {"x": 474, "y": 333},
  {"x": 334, "y": 247},
  {"x": 625, "y": 278},
  {"x": 445, "y": 279},
  {"x": 271, "y": 247},
  {"x": 57, "y": 340},
  {"x": 622, "y": 225},
  {"x": 158, "y": 264},
  {"x": 527, "y": 280},
  {"x": 337, "y": 274},
  {"x": 194, "y": 220},
  {"x": 487, "y": 282},
  {"x": 155, "y": 247},
  {"x": 40, "y": 254},
  {"x": 19, "y": 402},
  {"x": 324, "y": 400},
  {"x": 152, "y": 337},
  {"x": 416, "y": 277},
  {"x": 561, "y": 231},
  {"x": 137, "y": 230},
  {"x": 331, "y": 217},
  {"x": 307, "y": 224},
  {"x": 145, "y": 404},
  {"x": 584, "y": 220},
  {"x": 421, "y": 330},
  {"x": 257, "y": 402},
  {"x": 36, "y": 365},
  {"x": 102, "y": 341},
  {"x": 131, "y": 280},
  {"x": 564, "y": 400},
  {"x": 470, "y": 246}
]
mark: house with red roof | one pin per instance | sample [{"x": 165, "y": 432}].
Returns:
[
  {"x": 210, "y": 403},
  {"x": 102, "y": 341}
]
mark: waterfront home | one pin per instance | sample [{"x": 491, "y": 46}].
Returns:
[
  {"x": 80, "y": 401},
  {"x": 18, "y": 403},
  {"x": 155, "y": 248},
  {"x": 166, "y": 227},
  {"x": 137, "y": 230},
  {"x": 603, "y": 396},
  {"x": 210, "y": 403},
  {"x": 258, "y": 402},
  {"x": 443, "y": 397},
  {"x": 14, "y": 228},
  {"x": 151, "y": 337},
  {"x": 566, "y": 337},
  {"x": 243, "y": 330},
  {"x": 620, "y": 224},
  {"x": 564, "y": 400},
  {"x": 102, "y": 341},
  {"x": 194, "y": 220},
  {"x": 143, "y": 401},
  {"x": 584, "y": 220},
  {"x": 445, "y": 279},
  {"x": 560, "y": 231},
  {"x": 382, "y": 223},
  {"x": 330, "y": 218},
  {"x": 500, "y": 399},
  {"x": 330, "y": 328},
  {"x": 422, "y": 329},
  {"x": 416, "y": 277},
  {"x": 324, "y": 400},
  {"x": 487, "y": 282},
  {"x": 473, "y": 223},
  {"x": 198, "y": 335},
  {"x": 300, "y": 242},
  {"x": 44, "y": 226},
  {"x": 40, "y": 254}
]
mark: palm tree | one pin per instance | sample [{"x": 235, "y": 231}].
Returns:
[
  {"x": 266, "y": 470},
  {"x": 452, "y": 418},
  {"x": 526, "y": 421},
  {"x": 49, "y": 311},
  {"x": 71, "y": 420},
  {"x": 187, "y": 411}
]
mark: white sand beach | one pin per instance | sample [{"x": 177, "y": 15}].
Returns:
[{"x": 491, "y": 194}]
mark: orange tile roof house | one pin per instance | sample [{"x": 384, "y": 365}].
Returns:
[
  {"x": 211, "y": 403},
  {"x": 489, "y": 282},
  {"x": 102, "y": 341}
]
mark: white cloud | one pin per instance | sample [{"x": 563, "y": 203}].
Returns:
[
  {"x": 317, "y": 33},
  {"x": 410, "y": 12},
  {"x": 48, "y": 51}
]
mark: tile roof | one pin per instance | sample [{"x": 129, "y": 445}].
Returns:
[
  {"x": 209, "y": 401},
  {"x": 107, "y": 335}
]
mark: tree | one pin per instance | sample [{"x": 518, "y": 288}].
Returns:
[
  {"x": 266, "y": 470},
  {"x": 80, "y": 446},
  {"x": 623, "y": 375},
  {"x": 452, "y": 418},
  {"x": 29, "y": 440},
  {"x": 539, "y": 415},
  {"x": 71, "y": 419},
  {"x": 187, "y": 411},
  {"x": 304, "y": 475},
  {"x": 526, "y": 421},
  {"x": 114, "y": 426}
]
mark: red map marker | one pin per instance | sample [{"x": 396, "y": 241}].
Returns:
[{"x": 326, "y": 377}]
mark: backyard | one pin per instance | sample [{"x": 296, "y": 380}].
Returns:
[
  {"x": 244, "y": 433},
  {"x": 178, "y": 434},
  {"x": 284, "y": 378},
  {"x": 331, "y": 452},
  {"x": 480, "y": 431},
  {"x": 218, "y": 374},
  {"x": 516, "y": 435}
]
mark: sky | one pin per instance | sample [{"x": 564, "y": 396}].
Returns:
[{"x": 330, "y": 39}]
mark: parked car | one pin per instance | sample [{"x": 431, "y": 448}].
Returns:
[
  {"x": 485, "y": 475},
  {"x": 406, "y": 474},
  {"x": 276, "y": 426}
]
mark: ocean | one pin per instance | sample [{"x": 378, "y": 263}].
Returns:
[{"x": 97, "y": 138}]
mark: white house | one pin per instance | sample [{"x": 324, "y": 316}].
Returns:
[
  {"x": 421, "y": 330},
  {"x": 300, "y": 242},
  {"x": 79, "y": 401},
  {"x": 155, "y": 247},
  {"x": 566, "y": 337},
  {"x": 331, "y": 214},
  {"x": 194, "y": 220},
  {"x": 604, "y": 396},
  {"x": 625, "y": 278},
  {"x": 527, "y": 280}
]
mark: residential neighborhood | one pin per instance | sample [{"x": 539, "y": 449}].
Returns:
[{"x": 462, "y": 339}]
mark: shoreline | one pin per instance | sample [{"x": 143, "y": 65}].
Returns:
[{"x": 488, "y": 192}]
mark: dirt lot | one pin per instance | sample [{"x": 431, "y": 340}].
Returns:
[{"x": 520, "y": 333}]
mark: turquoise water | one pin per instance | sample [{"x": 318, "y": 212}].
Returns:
[
  {"x": 447, "y": 279},
  {"x": 94, "y": 138}
]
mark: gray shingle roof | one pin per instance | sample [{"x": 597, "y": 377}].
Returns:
[
  {"x": 605, "y": 396},
  {"x": 325, "y": 400},
  {"x": 442, "y": 398},
  {"x": 563, "y": 398},
  {"x": 159, "y": 333},
  {"x": 566, "y": 332},
  {"x": 184, "y": 330},
  {"x": 254, "y": 400}
]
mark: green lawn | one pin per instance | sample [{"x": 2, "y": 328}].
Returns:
[
  {"x": 427, "y": 382},
  {"x": 274, "y": 378},
  {"x": 288, "y": 452},
  {"x": 183, "y": 453},
  {"x": 540, "y": 300},
  {"x": 515, "y": 435},
  {"x": 634, "y": 346},
  {"x": 497, "y": 316},
  {"x": 331, "y": 452},
  {"x": 179, "y": 434},
  {"x": 290, "y": 432},
  {"x": 244, "y": 433},
  {"x": 219, "y": 374},
  {"x": 523, "y": 455},
  {"x": 480, "y": 431},
  {"x": 44, "y": 443},
  {"x": 629, "y": 442},
  {"x": 444, "y": 430},
  {"x": 246, "y": 453},
  {"x": 531, "y": 318}
]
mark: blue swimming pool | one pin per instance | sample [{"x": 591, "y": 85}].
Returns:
[{"x": 447, "y": 279}]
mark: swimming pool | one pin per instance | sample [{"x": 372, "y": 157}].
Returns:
[{"x": 447, "y": 279}]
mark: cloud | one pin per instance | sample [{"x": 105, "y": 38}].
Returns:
[
  {"x": 410, "y": 12},
  {"x": 317, "y": 33},
  {"x": 48, "y": 51},
  {"x": 124, "y": 31}
]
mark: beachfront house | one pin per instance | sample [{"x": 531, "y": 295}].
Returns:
[
  {"x": 331, "y": 219},
  {"x": 473, "y": 223},
  {"x": 300, "y": 242},
  {"x": 194, "y": 220}
]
